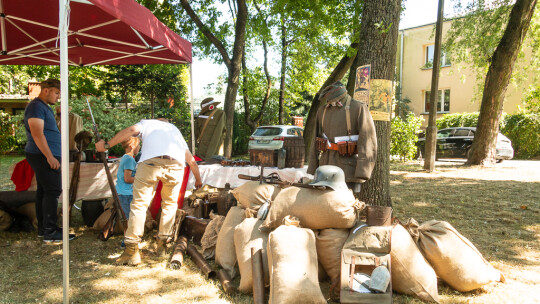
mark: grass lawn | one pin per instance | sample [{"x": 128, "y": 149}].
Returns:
[{"x": 497, "y": 209}]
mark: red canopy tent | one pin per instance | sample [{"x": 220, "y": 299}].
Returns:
[
  {"x": 100, "y": 32},
  {"x": 81, "y": 33}
]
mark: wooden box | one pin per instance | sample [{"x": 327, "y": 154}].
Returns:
[
  {"x": 364, "y": 263},
  {"x": 266, "y": 158}
]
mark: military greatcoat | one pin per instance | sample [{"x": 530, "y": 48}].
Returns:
[{"x": 357, "y": 168}]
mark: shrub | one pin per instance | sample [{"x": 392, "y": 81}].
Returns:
[
  {"x": 523, "y": 129},
  {"x": 404, "y": 136},
  {"x": 12, "y": 133},
  {"x": 458, "y": 120}
]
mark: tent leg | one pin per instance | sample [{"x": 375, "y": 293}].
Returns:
[
  {"x": 64, "y": 95},
  {"x": 191, "y": 102}
]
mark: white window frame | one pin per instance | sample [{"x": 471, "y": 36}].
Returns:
[
  {"x": 445, "y": 60},
  {"x": 440, "y": 102}
]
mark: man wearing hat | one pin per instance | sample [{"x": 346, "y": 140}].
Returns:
[
  {"x": 345, "y": 136},
  {"x": 210, "y": 129},
  {"x": 43, "y": 152}
]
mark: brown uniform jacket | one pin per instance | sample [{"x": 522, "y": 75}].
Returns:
[
  {"x": 75, "y": 123},
  {"x": 210, "y": 141},
  {"x": 357, "y": 168}
]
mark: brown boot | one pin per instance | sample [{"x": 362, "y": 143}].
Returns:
[
  {"x": 161, "y": 247},
  {"x": 131, "y": 255}
]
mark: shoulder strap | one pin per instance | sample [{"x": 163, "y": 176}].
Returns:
[
  {"x": 206, "y": 124},
  {"x": 322, "y": 120},
  {"x": 348, "y": 115}
]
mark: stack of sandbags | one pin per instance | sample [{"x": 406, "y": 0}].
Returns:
[
  {"x": 248, "y": 235},
  {"x": 411, "y": 273},
  {"x": 454, "y": 258},
  {"x": 316, "y": 209},
  {"x": 292, "y": 259},
  {"x": 225, "y": 250}
]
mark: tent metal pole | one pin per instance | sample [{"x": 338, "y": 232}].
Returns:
[
  {"x": 191, "y": 102},
  {"x": 64, "y": 95},
  {"x": 3, "y": 25}
]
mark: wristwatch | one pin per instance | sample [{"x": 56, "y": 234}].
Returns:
[{"x": 106, "y": 146}]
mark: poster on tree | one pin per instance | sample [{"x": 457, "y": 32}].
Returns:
[
  {"x": 361, "y": 86},
  {"x": 380, "y": 99}
]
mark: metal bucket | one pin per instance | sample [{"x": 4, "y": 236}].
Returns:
[{"x": 379, "y": 216}]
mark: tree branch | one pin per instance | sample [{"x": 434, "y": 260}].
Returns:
[{"x": 204, "y": 29}]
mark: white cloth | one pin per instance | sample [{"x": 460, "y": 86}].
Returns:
[
  {"x": 217, "y": 175},
  {"x": 161, "y": 138}
]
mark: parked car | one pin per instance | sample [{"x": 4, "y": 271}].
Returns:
[
  {"x": 272, "y": 137},
  {"x": 456, "y": 143}
]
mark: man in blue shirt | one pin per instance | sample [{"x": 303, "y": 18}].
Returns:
[{"x": 43, "y": 152}]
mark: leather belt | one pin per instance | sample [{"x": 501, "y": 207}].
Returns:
[{"x": 165, "y": 157}]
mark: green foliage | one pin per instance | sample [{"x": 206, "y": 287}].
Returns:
[
  {"x": 404, "y": 136},
  {"x": 241, "y": 133},
  {"x": 458, "y": 120},
  {"x": 523, "y": 129},
  {"x": 12, "y": 133},
  {"x": 532, "y": 101}
]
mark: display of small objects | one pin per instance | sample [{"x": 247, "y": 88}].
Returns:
[{"x": 235, "y": 163}]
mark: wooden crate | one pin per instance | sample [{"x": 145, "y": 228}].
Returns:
[{"x": 266, "y": 158}]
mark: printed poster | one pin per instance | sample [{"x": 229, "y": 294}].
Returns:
[
  {"x": 380, "y": 97},
  {"x": 361, "y": 86}
]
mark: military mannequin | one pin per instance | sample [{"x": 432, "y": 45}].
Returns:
[
  {"x": 209, "y": 129},
  {"x": 75, "y": 123},
  {"x": 347, "y": 118}
]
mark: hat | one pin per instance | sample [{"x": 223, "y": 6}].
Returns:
[
  {"x": 333, "y": 91},
  {"x": 208, "y": 104},
  {"x": 50, "y": 83}
]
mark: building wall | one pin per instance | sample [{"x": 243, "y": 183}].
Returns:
[{"x": 458, "y": 78}]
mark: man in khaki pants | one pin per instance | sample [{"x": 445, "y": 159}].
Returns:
[{"x": 164, "y": 154}]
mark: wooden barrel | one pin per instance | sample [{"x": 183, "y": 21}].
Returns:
[{"x": 295, "y": 155}]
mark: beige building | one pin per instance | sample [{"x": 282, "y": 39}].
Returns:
[{"x": 457, "y": 83}]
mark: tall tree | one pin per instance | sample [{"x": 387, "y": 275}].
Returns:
[
  {"x": 497, "y": 79},
  {"x": 231, "y": 58},
  {"x": 378, "y": 46}
]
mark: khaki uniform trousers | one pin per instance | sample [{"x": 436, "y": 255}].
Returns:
[{"x": 170, "y": 173}]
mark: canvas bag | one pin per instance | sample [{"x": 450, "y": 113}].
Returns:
[
  {"x": 411, "y": 273},
  {"x": 209, "y": 238},
  {"x": 292, "y": 259},
  {"x": 246, "y": 236},
  {"x": 329, "y": 243},
  {"x": 225, "y": 252},
  {"x": 253, "y": 194},
  {"x": 316, "y": 209},
  {"x": 454, "y": 258}
]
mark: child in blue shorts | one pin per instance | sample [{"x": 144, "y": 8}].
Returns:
[{"x": 126, "y": 174}]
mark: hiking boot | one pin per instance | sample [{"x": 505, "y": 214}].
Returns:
[
  {"x": 56, "y": 237},
  {"x": 161, "y": 247},
  {"x": 131, "y": 255}
]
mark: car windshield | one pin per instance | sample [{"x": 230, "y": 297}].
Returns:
[{"x": 267, "y": 131}]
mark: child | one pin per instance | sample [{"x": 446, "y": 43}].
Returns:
[{"x": 126, "y": 173}]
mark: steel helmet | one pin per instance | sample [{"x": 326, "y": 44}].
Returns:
[
  {"x": 380, "y": 278},
  {"x": 330, "y": 176}
]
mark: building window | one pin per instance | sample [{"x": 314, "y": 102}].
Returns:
[
  {"x": 430, "y": 53},
  {"x": 443, "y": 102},
  {"x": 17, "y": 111}
]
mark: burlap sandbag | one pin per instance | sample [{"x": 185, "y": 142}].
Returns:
[
  {"x": 101, "y": 221},
  {"x": 329, "y": 245},
  {"x": 454, "y": 258},
  {"x": 5, "y": 220},
  {"x": 209, "y": 238},
  {"x": 247, "y": 235},
  {"x": 292, "y": 258},
  {"x": 316, "y": 209},
  {"x": 253, "y": 194},
  {"x": 411, "y": 273},
  {"x": 29, "y": 209},
  {"x": 225, "y": 252}
]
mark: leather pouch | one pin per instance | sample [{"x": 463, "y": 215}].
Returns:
[
  {"x": 322, "y": 144},
  {"x": 342, "y": 148},
  {"x": 352, "y": 148}
]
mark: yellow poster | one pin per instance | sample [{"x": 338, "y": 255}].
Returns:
[
  {"x": 380, "y": 99},
  {"x": 361, "y": 85}
]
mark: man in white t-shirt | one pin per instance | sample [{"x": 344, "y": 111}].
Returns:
[{"x": 163, "y": 156}]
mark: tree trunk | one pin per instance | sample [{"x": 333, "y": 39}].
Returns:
[
  {"x": 234, "y": 74},
  {"x": 378, "y": 36},
  {"x": 499, "y": 73},
  {"x": 339, "y": 71},
  {"x": 283, "y": 69}
]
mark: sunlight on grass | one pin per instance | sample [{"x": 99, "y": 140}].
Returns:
[{"x": 422, "y": 204}]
